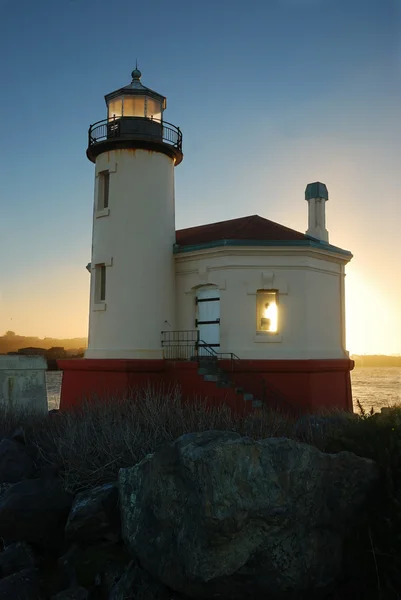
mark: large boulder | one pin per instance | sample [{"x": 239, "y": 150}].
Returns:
[
  {"x": 216, "y": 515},
  {"x": 16, "y": 557},
  {"x": 136, "y": 584},
  {"x": 35, "y": 511},
  {"x": 97, "y": 566},
  {"x": 73, "y": 593},
  {"x": 24, "y": 585},
  {"x": 15, "y": 463},
  {"x": 95, "y": 516}
]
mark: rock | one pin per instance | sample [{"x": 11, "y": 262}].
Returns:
[
  {"x": 67, "y": 566},
  {"x": 98, "y": 565},
  {"x": 19, "y": 435},
  {"x": 217, "y": 515},
  {"x": 111, "y": 574},
  {"x": 125, "y": 587},
  {"x": 24, "y": 585},
  {"x": 15, "y": 463},
  {"x": 136, "y": 584},
  {"x": 16, "y": 557},
  {"x": 74, "y": 593},
  {"x": 35, "y": 511},
  {"x": 48, "y": 470},
  {"x": 4, "y": 487},
  {"x": 95, "y": 515}
]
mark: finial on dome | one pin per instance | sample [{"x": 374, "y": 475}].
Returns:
[{"x": 136, "y": 74}]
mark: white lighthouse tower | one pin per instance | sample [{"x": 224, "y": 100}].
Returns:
[{"x": 132, "y": 296}]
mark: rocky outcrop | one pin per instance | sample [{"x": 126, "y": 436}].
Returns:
[
  {"x": 74, "y": 593},
  {"x": 209, "y": 515},
  {"x": 24, "y": 585},
  {"x": 15, "y": 463},
  {"x": 217, "y": 515},
  {"x": 15, "y": 558},
  {"x": 95, "y": 516},
  {"x": 35, "y": 511},
  {"x": 137, "y": 583}
]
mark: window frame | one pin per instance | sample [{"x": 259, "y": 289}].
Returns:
[
  {"x": 103, "y": 193},
  {"x": 100, "y": 292},
  {"x": 261, "y": 297}
]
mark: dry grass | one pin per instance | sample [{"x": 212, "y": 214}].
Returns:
[{"x": 89, "y": 445}]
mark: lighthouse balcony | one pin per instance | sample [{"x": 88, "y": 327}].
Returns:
[{"x": 134, "y": 132}]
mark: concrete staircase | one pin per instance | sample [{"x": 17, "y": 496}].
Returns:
[{"x": 210, "y": 370}]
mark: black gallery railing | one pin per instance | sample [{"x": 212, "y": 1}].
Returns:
[{"x": 142, "y": 128}]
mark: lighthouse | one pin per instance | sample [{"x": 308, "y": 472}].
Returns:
[
  {"x": 132, "y": 296},
  {"x": 244, "y": 312}
]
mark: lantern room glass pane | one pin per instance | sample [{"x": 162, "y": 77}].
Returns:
[
  {"x": 115, "y": 108},
  {"x": 134, "y": 106},
  {"x": 153, "y": 109}
]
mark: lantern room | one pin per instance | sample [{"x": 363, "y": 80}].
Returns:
[
  {"x": 135, "y": 120},
  {"x": 135, "y": 100}
]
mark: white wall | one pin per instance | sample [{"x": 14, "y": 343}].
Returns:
[
  {"x": 134, "y": 237},
  {"x": 23, "y": 385},
  {"x": 310, "y": 299}
]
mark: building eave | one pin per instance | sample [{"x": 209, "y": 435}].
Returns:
[{"x": 286, "y": 246}]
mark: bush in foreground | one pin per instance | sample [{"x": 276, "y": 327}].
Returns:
[
  {"x": 375, "y": 546},
  {"x": 90, "y": 444}
]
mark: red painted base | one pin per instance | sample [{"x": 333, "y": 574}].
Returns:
[{"x": 299, "y": 386}]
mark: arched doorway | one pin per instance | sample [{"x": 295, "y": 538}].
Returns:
[{"x": 208, "y": 318}]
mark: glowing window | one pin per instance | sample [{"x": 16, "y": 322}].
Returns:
[
  {"x": 267, "y": 311},
  {"x": 115, "y": 108},
  {"x": 134, "y": 106},
  {"x": 153, "y": 109}
]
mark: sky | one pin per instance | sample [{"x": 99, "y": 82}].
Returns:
[{"x": 270, "y": 95}]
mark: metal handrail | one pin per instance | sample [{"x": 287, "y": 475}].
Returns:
[
  {"x": 179, "y": 345},
  {"x": 276, "y": 394},
  {"x": 219, "y": 355},
  {"x": 207, "y": 347},
  {"x": 103, "y": 130}
]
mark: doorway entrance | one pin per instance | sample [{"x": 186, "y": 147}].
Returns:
[{"x": 208, "y": 319}]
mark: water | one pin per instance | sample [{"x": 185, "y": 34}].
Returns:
[
  {"x": 377, "y": 387},
  {"x": 53, "y": 384}
]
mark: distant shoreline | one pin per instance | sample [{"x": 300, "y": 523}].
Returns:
[
  {"x": 376, "y": 360},
  {"x": 56, "y": 348}
]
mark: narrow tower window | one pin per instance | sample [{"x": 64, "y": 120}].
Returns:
[
  {"x": 104, "y": 185},
  {"x": 100, "y": 284},
  {"x": 267, "y": 311}
]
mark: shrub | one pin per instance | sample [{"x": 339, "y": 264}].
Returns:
[
  {"x": 90, "y": 444},
  {"x": 374, "y": 545}
]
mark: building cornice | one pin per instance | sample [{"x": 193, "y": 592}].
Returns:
[{"x": 309, "y": 248}]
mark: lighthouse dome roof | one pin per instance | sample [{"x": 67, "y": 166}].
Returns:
[{"x": 136, "y": 88}]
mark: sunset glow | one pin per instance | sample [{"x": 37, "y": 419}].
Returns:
[{"x": 326, "y": 111}]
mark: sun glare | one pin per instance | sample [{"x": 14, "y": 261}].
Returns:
[
  {"x": 270, "y": 312},
  {"x": 370, "y": 318}
]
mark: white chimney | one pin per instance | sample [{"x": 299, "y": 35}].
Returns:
[{"x": 317, "y": 195}]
